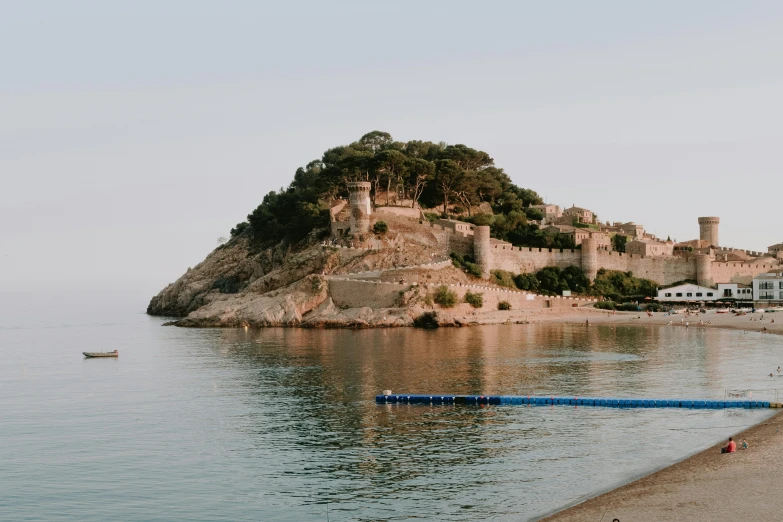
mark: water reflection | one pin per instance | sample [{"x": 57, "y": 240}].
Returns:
[{"x": 310, "y": 415}]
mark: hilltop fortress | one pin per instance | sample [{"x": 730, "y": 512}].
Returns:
[{"x": 702, "y": 260}]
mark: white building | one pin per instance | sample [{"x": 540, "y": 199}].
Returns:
[
  {"x": 687, "y": 292},
  {"x": 736, "y": 291},
  {"x": 768, "y": 287}
]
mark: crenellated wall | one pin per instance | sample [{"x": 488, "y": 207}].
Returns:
[
  {"x": 523, "y": 259},
  {"x": 664, "y": 270}
]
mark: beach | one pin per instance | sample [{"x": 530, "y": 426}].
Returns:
[
  {"x": 707, "y": 486},
  {"x": 756, "y": 322}
]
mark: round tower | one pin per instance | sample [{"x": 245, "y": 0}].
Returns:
[
  {"x": 708, "y": 230},
  {"x": 703, "y": 270},
  {"x": 482, "y": 250},
  {"x": 590, "y": 258},
  {"x": 359, "y": 201}
]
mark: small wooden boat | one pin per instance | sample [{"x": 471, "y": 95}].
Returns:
[{"x": 115, "y": 353}]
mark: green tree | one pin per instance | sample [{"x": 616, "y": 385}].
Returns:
[
  {"x": 391, "y": 166},
  {"x": 447, "y": 175},
  {"x": 619, "y": 241},
  {"x": 420, "y": 172}
]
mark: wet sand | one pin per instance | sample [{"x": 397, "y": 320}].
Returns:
[{"x": 708, "y": 486}]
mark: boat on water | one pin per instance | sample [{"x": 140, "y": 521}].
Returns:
[{"x": 115, "y": 353}]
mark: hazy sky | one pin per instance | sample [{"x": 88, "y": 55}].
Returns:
[{"x": 133, "y": 134}]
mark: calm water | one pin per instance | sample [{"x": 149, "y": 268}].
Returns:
[{"x": 282, "y": 425}]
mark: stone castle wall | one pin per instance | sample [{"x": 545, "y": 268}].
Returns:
[
  {"x": 356, "y": 293},
  {"x": 523, "y": 259}
]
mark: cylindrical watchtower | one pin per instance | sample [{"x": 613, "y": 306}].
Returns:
[
  {"x": 708, "y": 230},
  {"x": 703, "y": 270},
  {"x": 590, "y": 258},
  {"x": 359, "y": 201},
  {"x": 482, "y": 250}
]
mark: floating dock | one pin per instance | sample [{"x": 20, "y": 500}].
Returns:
[{"x": 503, "y": 400}]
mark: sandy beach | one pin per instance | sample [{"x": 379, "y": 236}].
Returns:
[
  {"x": 757, "y": 322},
  {"x": 707, "y": 486}
]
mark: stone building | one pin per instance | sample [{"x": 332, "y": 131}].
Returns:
[
  {"x": 578, "y": 235},
  {"x": 630, "y": 229},
  {"x": 550, "y": 213},
  {"x": 649, "y": 247},
  {"x": 456, "y": 226},
  {"x": 776, "y": 250},
  {"x": 576, "y": 215}
]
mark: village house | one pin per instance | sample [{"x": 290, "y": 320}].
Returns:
[
  {"x": 649, "y": 248},
  {"x": 456, "y": 226},
  {"x": 579, "y": 234},
  {"x": 550, "y": 213},
  {"x": 630, "y": 229},
  {"x": 576, "y": 215},
  {"x": 776, "y": 251}
]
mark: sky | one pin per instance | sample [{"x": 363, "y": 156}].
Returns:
[{"x": 133, "y": 134}]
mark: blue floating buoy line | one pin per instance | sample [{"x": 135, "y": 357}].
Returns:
[{"x": 503, "y": 400}]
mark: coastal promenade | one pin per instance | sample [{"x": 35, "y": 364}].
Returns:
[{"x": 709, "y": 486}]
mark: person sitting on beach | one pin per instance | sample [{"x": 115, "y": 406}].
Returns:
[
  {"x": 731, "y": 447},
  {"x": 744, "y": 445}
]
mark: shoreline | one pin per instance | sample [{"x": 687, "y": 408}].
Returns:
[{"x": 707, "y": 486}]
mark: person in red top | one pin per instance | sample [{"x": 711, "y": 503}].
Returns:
[{"x": 731, "y": 447}]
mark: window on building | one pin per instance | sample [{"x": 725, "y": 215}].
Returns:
[
  {"x": 679, "y": 294},
  {"x": 709, "y": 294},
  {"x": 766, "y": 285},
  {"x": 766, "y": 295},
  {"x": 781, "y": 285},
  {"x": 698, "y": 294},
  {"x": 668, "y": 294},
  {"x": 690, "y": 294}
]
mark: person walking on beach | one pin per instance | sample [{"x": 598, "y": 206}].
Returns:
[
  {"x": 778, "y": 370},
  {"x": 731, "y": 447}
]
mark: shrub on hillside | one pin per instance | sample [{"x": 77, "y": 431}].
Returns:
[
  {"x": 629, "y": 307},
  {"x": 504, "y": 305},
  {"x": 503, "y": 278},
  {"x": 445, "y": 297},
  {"x": 466, "y": 263},
  {"x": 426, "y": 320},
  {"x": 474, "y": 300},
  {"x": 605, "y": 305},
  {"x": 380, "y": 227}
]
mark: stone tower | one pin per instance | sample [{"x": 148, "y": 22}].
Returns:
[
  {"x": 482, "y": 250},
  {"x": 359, "y": 201},
  {"x": 590, "y": 258},
  {"x": 704, "y": 269},
  {"x": 708, "y": 230}
]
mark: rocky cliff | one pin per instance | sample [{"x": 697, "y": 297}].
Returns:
[{"x": 237, "y": 285}]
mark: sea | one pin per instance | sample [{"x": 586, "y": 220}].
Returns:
[{"x": 281, "y": 424}]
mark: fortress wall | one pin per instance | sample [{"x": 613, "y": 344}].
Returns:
[
  {"x": 357, "y": 294},
  {"x": 518, "y": 300},
  {"x": 662, "y": 270},
  {"x": 524, "y": 260},
  {"x": 408, "y": 212},
  {"x": 737, "y": 272}
]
